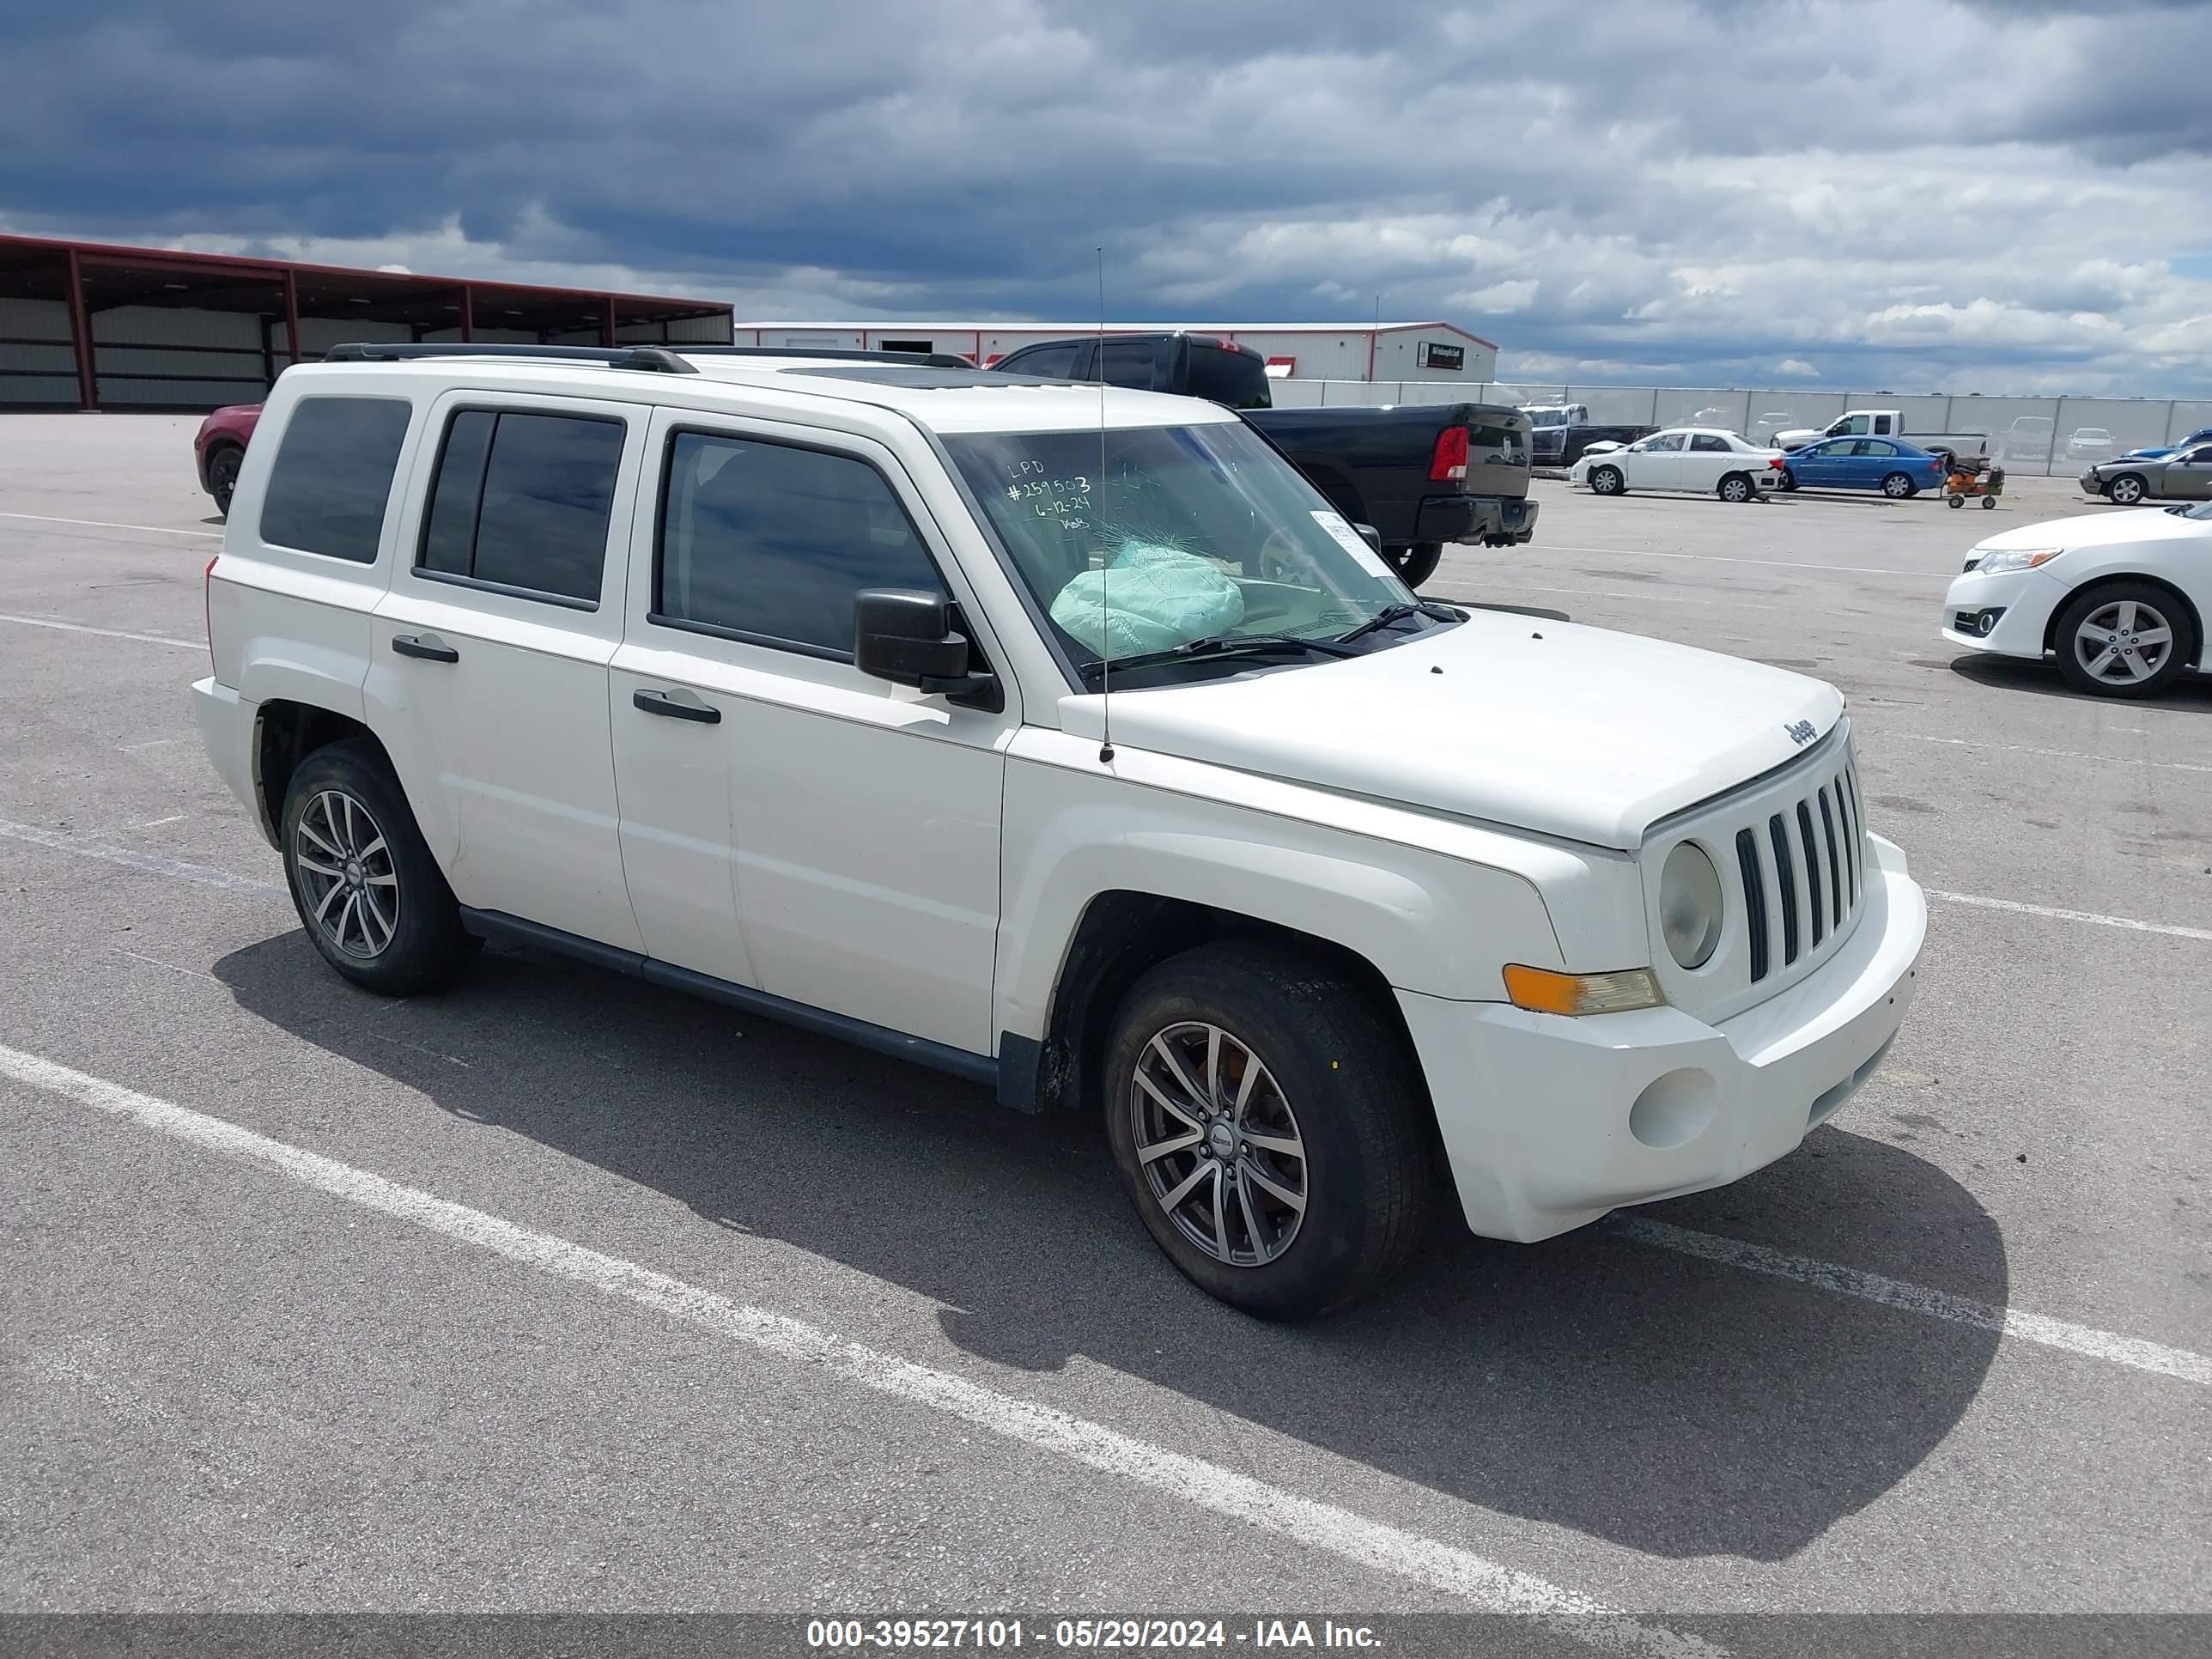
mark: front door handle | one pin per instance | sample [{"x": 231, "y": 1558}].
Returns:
[
  {"x": 678, "y": 706},
  {"x": 428, "y": 646}
]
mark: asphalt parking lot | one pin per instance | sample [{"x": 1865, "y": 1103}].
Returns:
[{"x": 297, "y": 1317}]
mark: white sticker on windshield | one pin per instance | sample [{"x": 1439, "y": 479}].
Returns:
[{"x": 1353, "y": 543}]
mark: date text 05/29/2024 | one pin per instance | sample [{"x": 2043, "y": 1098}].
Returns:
[{"x": 1084, "y": 1635}]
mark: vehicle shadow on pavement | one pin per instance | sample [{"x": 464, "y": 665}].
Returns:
[
  {"x": 2044, "y": 678},
  {"x": 1646, "y": 1397}
]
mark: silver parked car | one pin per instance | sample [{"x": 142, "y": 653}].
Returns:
[{"x": 2185, "y": 476}]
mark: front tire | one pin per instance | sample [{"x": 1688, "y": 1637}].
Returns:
[
  {"x": 2127, "y": 489},
  {"x": 1269, "y": 1127},
  {"x": 1736, "y": 487},
  {"x": 1788, "y": 480},
  {"x": 1417, "y": 563},
  {"x": 1899, "y": 487},
  {"x": 2123, "y": 639},
  {"x": 1607, "y": 481},
  {"x": 372, "y": 898}
]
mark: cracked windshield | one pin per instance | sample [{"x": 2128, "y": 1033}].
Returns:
[{"x": 1183, "y": 534}]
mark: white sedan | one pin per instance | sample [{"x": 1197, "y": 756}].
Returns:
[
  {"x": 1702, "y": 458},
  {"x": 2121, "y": 598}
]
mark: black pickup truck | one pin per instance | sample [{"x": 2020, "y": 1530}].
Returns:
[{"x": 1422, "y": 475}]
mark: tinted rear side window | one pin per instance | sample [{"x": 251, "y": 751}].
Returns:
[
  {"x": 1228, "y": 377},
  {"x": 1051, "y": 363},
  {"x": 1129, "y": 363},
  {"x": 522, "y": 500},
  {"x": 775, "y": 541},
  {"x": 333, "y": 475}
]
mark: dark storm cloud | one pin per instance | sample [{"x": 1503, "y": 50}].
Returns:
[{"x": 1718, "y": 185}]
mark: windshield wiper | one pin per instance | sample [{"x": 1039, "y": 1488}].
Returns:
[
  {"x": 1398, "y": 613},
  {"x": 1221, "y": 645}
]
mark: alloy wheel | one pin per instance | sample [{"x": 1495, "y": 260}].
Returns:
[
  {"x": 1218, "y": 1145},
  {"x": 348, "y": 881},
  {"x": 2127, "y": 491},
  {"x": 2122, "y": 643}
]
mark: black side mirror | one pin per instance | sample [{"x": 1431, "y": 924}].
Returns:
[
  {"x": 1372, "y": 536},
  {"x": 907, "y": 636}
]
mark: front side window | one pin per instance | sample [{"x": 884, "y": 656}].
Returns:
[
  {"x": 334, "y": 474},
  {"x": 1853, "y": 427},
  {"x": 522, "y": 500},
  {"x": 1143, "y": 539},
  {"x": 1666, "y": 443},
  {"x": 773, "y": 542}
]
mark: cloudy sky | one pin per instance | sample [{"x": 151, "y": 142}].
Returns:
[{"x": 2008, "y": 197}]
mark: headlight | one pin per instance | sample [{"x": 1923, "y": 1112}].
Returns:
[
  {"x": 1690, "y": 905},
  {"x": 2016, "y": 558}
]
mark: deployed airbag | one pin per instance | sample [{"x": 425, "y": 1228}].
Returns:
[{"x": 1148, "y": 598}]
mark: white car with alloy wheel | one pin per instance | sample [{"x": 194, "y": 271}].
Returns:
[
  {"x": 1064, "y": 739},
  {"x": 2120, "y": 599},
  {"x": 1703, "y": 461}
]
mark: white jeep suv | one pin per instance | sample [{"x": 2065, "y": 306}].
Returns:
[{"x": 788, "y": 682}]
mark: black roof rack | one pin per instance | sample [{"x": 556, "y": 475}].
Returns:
[
  {"x": 833, "y": 354},
  {"x": 656, "y": 358}
]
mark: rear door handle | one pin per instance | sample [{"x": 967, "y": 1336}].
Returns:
[
  {"x": 428, "y": 646},
  {"x": 677, "y": 705}
]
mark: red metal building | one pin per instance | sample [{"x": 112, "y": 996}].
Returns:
[{"x": 84, "y": 325}]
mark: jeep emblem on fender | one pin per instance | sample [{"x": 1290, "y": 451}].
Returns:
[{"x": 1801, "y": 731}]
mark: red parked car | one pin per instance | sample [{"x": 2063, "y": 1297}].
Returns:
[{"x": 220, "y": 445}]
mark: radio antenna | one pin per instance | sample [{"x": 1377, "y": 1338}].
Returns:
[{"x": 1105, "y": 559}]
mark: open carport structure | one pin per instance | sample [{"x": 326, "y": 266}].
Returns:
[{"x": 86, "y": 325}]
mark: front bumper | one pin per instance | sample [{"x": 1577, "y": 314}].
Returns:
[
  {"x": 1507, "y": 519},
  {"x": 1549, "y": 1123},
  {"x": 2025, "y": 598}
]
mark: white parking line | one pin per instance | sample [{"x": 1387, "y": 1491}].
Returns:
[
  {"x": 1919, "y": 1299},
  {"x": 105, "y": 633},
  {"x": 131, "y": 858},
  {"x": 2053, "y": 754},
  {"x": 1303, "y": 1521},
  {"x": 1726, "y": 558},
  {"x": 2171, "y": 930},
  {"x": 105, "y": 523}
]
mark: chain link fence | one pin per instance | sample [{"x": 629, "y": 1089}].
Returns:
[{"x": 2056, "y": 437}]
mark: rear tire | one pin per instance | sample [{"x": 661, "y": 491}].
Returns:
[
  {"x": 1899, "y": 487},
  {"x": 222, "y": 475},
  {"x": 372, "y": 898},
  {"x": 1737, "y": 487},
  {"x": 1414, "y": 565},
  {"x": 1328, "y": 1142},
  {"x": 2101, "y": 646},
  {"x": 1607, "y": 481}
]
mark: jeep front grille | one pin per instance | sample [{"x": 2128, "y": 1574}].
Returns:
[{"x": 1803, "y": 881}]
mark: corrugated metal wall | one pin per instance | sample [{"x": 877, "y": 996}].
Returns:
[
  {"x": 37, "y": 364},
  {"x": 176, "y": 356}
]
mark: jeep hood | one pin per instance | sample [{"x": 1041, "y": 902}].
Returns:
[{"x": 1573, "y": 732}]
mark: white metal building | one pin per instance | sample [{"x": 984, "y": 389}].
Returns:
[{"x": 1305, "y": 351}]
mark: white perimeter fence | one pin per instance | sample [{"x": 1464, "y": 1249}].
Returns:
[{"x": 2056, "y": 436}]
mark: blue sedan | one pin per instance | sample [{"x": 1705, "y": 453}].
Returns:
[
  {"x": 2201, "y": 435},
  {"x": 1897, "y": 468}
]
